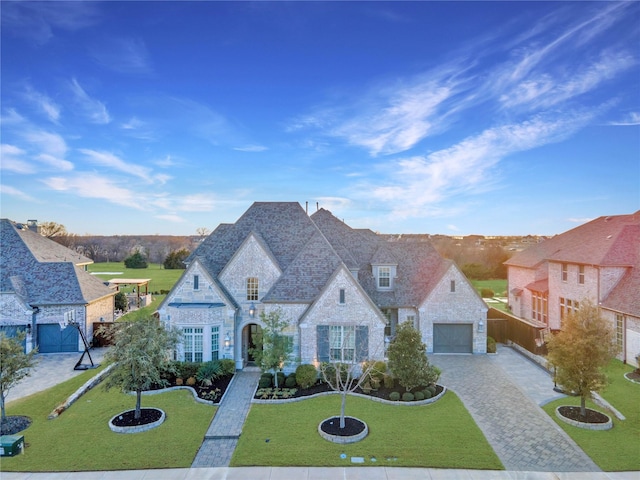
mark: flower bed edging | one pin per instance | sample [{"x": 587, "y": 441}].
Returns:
[
  {"x": 587, "y": 426},
  {"x": 631, "y": 379},
  {"x": 137, "y": 428},
  {"x": 369, "y": 397},
  {"x": 343, "y": 439}
]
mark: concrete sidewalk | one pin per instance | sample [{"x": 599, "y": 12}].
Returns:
[{"x": 319, "y": 473}]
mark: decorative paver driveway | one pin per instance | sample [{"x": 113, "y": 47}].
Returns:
[{"x": 521, "y": 433}]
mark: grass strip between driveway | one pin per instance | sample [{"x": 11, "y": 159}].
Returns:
[
  {"x": 80, "y": 439},
  {"x": 439, "y": 435},
  {"x": 616, "y": 449}
]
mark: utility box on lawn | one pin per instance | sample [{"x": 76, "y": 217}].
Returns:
[{"x": 11, "y": 445}]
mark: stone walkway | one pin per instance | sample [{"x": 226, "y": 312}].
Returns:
[
  {"x": 523, "y": 436},
  {"x": 225, "y": 429}
]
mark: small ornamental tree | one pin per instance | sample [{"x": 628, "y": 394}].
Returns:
[
  {"x": 175, "y": 259},
  {"x": 580, "y": 351},
  {"x": 120, "y": 302},
  {"x": 14, "y": 365},
  {"x": 137, "y": 260},
  {"x": 408, "y": 362},
  {"x": 272, "y": 346},
  {"x": 141, "y": 350}
]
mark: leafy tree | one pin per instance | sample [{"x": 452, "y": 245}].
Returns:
[
  {"x": 52, "y": 229},
  {"x": 272, "y": 346},
  {"x": 141, "y": 351},
  {"x": 407, "y": 356},
  {"x": 175, "y": 259},
  {"x": 14, "y": 365},
  {"x": 580, "y": 351},
  {"x": 137, "y": 260},
  {"x": 120, "y": 302}
]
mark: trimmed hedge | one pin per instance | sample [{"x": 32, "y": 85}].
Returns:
[{"x": 306, "y": 375}]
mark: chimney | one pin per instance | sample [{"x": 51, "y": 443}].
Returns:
[{"x": 33, "y": 226}]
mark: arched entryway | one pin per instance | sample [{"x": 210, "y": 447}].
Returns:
[{"x": 248, "y": 335}]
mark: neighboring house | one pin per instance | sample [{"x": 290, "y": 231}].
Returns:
[
  {"x": 43, "y": 283},
  {"x": 598, "y": 261},
  {"x": 332, "y": 283}
]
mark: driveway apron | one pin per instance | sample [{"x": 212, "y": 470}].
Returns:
[
  {"x": 520, "y": 432},
  {"x": 222, "y": 436}
]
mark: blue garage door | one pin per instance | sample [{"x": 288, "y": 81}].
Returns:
[
  {"x": 452, "y": 338},
  {"x": 12, "y": 331},
  {"x": 51, "y": 339}
]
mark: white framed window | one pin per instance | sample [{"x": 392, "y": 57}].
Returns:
[
  {"x": 620, "y": 331},
  {"x": 412, "y": 320},
  {"x": 252, "y": 288},
  {"x": 567, "y": 306},
  {"x": 581, "y": 274},
  {"x": 196, "y": 282},
  {"x": 215, "y": 343},
  {"x": 539, "y": 308},
  {"x": 192, "y": 338},
  {"x": 384, "y": 277},
  {"x": 565, "y": 272},
  {"x": 341, "y": 296},
  {"x": 342, "y": 343}
]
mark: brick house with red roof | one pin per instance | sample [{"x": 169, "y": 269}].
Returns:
[{"x": 597, "y": 261}]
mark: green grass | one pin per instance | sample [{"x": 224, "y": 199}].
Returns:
[
  {"x": 615, "y": 449},
  {"x": 440, "y": 435},
  {"x": 80, "y": 439},
  {"x": 161, "y": 279},
  {"x": 499, "y": 286}
]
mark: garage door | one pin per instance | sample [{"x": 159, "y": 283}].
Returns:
[
  {"x": 452, "y": 338},
  {"x": 51, "y": 339}
]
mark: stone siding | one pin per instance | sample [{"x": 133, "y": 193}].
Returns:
[
  {"x": 463, "y": 305},
  {"x": 13, "y": 311}
]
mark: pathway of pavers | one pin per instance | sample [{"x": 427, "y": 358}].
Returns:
[
  {"x": 225, "y": 429},
  {"x": 520, "y": 432}
]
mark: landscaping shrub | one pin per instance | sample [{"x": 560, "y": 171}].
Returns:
[
  {"x": 281, "y": 378},
  {"x": 137, "y": 260},
  {"x": 306, "y": 375},
  {"x": 266, "y": 380},
  {"x": 228, "y": 366},
  {"x": 208, "y": 372},
  {"x": 191, "y": 381},
  {"x": 188, "y": 369},
  {"x": 491, "y": 345},
  {"x": 419, "y": 396},
  {"x": 487, "y": 293},
  {"x": 394, "y": 396},
  {"x": 426, "y": 393},
  {"x": 408, "y": 397},
  {"x": 388, "y": 380},
  {"x": 290, "y": 381},
  {"x": 179, "y": 381},
  {"x": 432, "y": 389}
]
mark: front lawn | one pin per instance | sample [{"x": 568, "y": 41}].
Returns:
[
  {"x": 80, "y": 439},
  {"x": 439, "y": 435},
  {"x": 615, "y": 449}
]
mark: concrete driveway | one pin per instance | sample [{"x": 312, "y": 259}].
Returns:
[{"x": 503, "y": 393}]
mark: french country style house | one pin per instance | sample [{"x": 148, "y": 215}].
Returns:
[
  {"x": 43, "y": 287},
  {"x": 336, "y": 287},
  {"x": 598, "y": 261}
]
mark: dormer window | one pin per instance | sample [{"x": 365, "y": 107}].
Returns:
[
  {"x": 384, "y": 277},
  {"x": 252, "y": 288}
]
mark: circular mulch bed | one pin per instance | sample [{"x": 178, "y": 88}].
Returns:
[
  {"x": 633, "y": 376},
  {"x": 14, "y": 424},
  {"x": 126, "y": 422},
  {"x": 354, "y": 430},
  {"x": 593, "y": 420}
]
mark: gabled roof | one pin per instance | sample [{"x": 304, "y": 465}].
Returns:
[
  {"x": 605, "y": 241},
  {"x": 42, "y": 277},
  {"x": 625, "y": 297}
]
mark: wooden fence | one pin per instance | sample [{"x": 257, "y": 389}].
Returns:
[{"x": 504, "y": 327}]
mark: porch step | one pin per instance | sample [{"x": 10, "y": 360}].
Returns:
[{"x": 251, "y": 369}]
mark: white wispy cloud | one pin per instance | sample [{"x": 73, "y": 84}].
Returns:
[
  {"x": 251, "y": 148},
  {"x": 43, "y": 103},
  {"x": 139, "y": 129},
  {"x": 579, "y": 220},
  {"x": 11, "y": 117},
  {"x": 419, "y": 185},
  {"x": 197, "y": 202},
  {"x": 93, "y": 109},
  {"x": 109, "y": 160},
  {"x": 52, "y": 148},
  {"x": 124, "y": 55},
  {"x": 629, "y": 119},
  {"x": 14, "y": 192},
  {"x": 13, "y": 160},
  {"x": 92, "y": 185}
]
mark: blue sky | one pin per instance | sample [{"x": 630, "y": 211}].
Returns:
[{"x": 504, "y": 118}]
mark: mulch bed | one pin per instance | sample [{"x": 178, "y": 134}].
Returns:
[
  {"x": 147, "y": 416},
  {"x": 14, "y": 424},
  {"x": 573, "y": 413},
  {"x": 635, "y": 376},
  {"x": 205, "y": 392},
  {"x": 322, "y": 387},
  {"x": 352, "y": 426}
]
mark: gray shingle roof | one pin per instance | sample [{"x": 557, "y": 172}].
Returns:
[{"x": 42, "y": 277}]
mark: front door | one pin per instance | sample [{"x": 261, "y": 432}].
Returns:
[{"x": 249, "y": 335}]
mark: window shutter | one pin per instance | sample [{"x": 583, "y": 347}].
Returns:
[
  {"x": 362, "y": 343},
  {"x": 323, "y": 342}
]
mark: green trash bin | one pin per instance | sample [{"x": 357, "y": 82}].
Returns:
[{"x": 11, "y": 445}]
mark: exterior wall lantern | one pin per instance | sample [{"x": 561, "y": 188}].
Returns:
[
  {"x": 252, "y": 310},
  {"x": 480, "y": 326},
  {"x": 28, "y": 329},
  {"x": 227, "y": 341}
]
